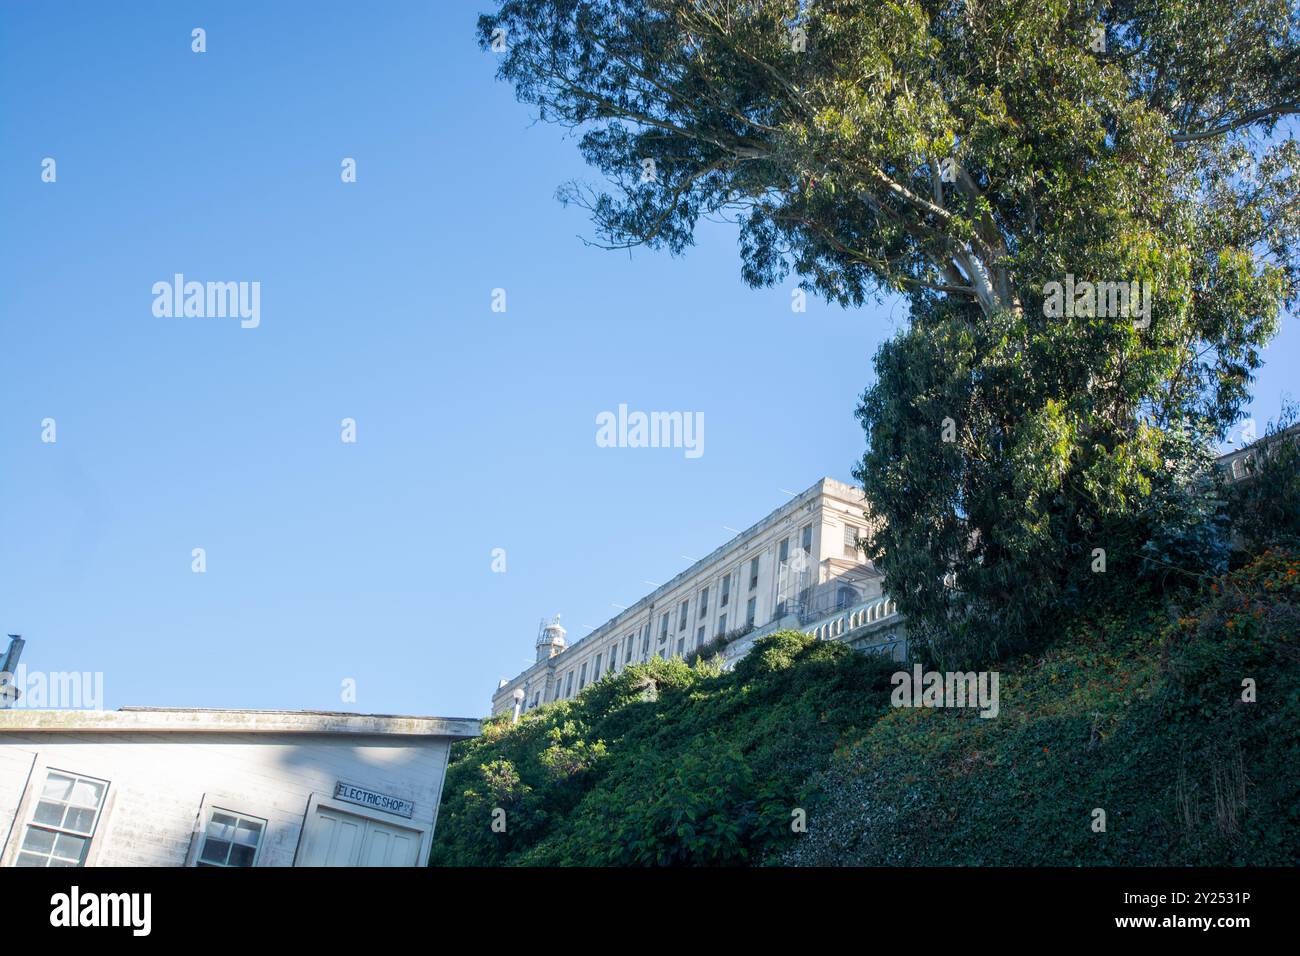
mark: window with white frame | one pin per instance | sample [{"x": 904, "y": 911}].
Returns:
[
  {"x": 726, "y": 591},
  {"x": 685, "y": 614},
  {"x": 230, "y": 839},
  {"x": 704, "y": 604},
  {"x": 851, "y": 540},
  {"x": 63, "y": 822}
]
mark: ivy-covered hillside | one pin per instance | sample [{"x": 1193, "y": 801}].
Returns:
[{"x": 798, "y": 757}]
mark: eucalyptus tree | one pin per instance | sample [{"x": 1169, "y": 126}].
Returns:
[{"x": 984, "y": 159}]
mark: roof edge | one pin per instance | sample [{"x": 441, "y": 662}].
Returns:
[{"x": 181, "y": 720}]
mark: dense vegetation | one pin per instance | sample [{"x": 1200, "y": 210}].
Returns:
[{"x": 1138, "y": 712}]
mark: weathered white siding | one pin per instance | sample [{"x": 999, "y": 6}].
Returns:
[{"x": 157, "y": 784}]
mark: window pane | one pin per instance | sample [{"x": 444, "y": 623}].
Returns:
[
  {"x": 214, "y": 851},
  {"x": 42, "y": 841},
  {"x": 241, "y": 855},
  {"x": 30, "y": 859},
  {"x": 222, "y": 826},
  {"x": 57, "y": 787},
  {"x": 68, "y": 847},
  {"x": 248, "y": 832},
  {"x": 51, "y": 813},
  {"x": 87, "y": 793},
  {"x": 80, "y": 819}
]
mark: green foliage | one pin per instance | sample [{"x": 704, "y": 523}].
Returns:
[
  {"x": 1137, "y": 711},
  {"x": 1188, "y": 530},
  {"x": 660, "y": 764}
]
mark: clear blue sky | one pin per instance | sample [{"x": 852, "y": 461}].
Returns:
[{"x": 476, "y": 430}]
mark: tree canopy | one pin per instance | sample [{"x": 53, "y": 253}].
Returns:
[{"x": 977, "y": 157}]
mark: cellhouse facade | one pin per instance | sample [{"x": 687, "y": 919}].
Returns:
[
  {"x": 799, "y": 568},
  {"x": 154, "y": 786}
]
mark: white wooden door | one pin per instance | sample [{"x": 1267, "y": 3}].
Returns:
[
  {"x": 333, "y": 839},
  {"x": 389, "y": 846},
  {"x": 343, "y": 839}
]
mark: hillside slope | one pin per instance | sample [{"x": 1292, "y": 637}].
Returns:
[{"x": 1138, "y": 713}]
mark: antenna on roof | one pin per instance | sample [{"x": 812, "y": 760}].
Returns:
[{"x": 9, "y": 693}]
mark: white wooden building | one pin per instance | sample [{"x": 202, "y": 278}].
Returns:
[{"x": 147, "y": 786}]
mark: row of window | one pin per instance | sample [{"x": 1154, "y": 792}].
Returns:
[
  {"x": 566, "y": 687},
  {"x": 68, "y": 811}
]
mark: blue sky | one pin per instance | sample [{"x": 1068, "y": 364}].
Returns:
[{"x": 475, "y": 429}]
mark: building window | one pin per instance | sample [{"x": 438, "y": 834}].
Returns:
[
  {"x": 685, "y": 613},
  {"x": 595, "y": 673},
  {"x": 704, "y": 604},
  {"x": 699, "y": 636},
  {"x": 568, "y": 685},
  {"x": 847, "y": 597},
  {"x": 751, "y": 610},
  {"x": 753, "y": 574},
  {"x": 726, "y": 591},
  {"x": 65, "y": 817},
  {"x": 681, "y": 646},
  {"x": 627, "y": 653},
  {"x": 722, "y": 624},
  {"x": 613, "y": 658},
  {"x": 582, "y": 676},
  {"x": 807, "y": 539},
  {"x": 645, "y": 642},
  {"x": 851, "y": 540},
  {"x": 783, "y": 552},
  {"x": 663, "y": 627},
  {"x": 230, "y": 839}
]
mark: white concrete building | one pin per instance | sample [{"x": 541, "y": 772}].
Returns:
[
  {"x": 147, "y": 786},
  {"x": 799, "y": 568}
]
